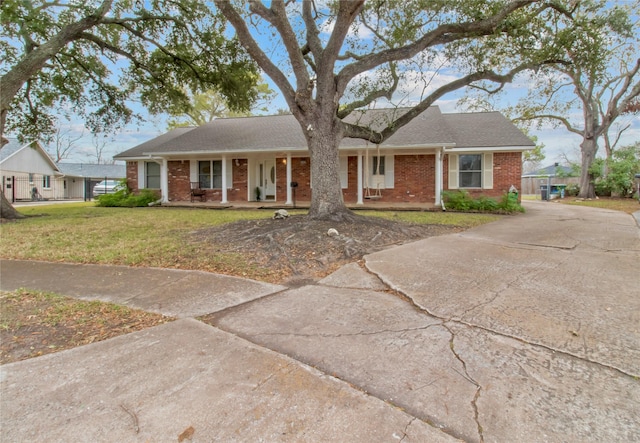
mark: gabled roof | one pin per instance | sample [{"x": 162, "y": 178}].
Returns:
[
  {"x": 84, "y": 170},
  {"x": 283, "y": 133},
  {"x": 10, "y": 148},
  {"x": 15, "y": 146}
]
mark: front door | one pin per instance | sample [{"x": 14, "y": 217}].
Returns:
[{"x": 267, "y": 179}]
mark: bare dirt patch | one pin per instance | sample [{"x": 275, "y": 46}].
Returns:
[
  {"x": 35, "y": 323},
  {"x": 297, "y": 250}
]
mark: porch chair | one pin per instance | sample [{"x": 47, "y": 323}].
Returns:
[{"x": 197, "y": 191}]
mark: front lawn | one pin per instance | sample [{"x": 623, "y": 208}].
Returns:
[{"x": 156, "y": 237}]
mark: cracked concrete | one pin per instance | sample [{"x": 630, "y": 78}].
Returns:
[{"x": 526, "y": 329}]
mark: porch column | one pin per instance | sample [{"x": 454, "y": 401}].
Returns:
[
  {"x": 289, "y": 178},
  {"x": 224, "y": 179},
  {"x": 164, "y": 181},
  {"x": 439, "y": 176},
  {"x": 360, "y": 176}
]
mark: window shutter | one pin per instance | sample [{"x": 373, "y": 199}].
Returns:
[
  {"x": 389, "y": 179},
  {"x": 142, "y": 176},
  {"x": 229, "y": 173},
  {"x": 453, "y": 171},
  {"x": 487, "y": 171},
  {"x": 344, "y": 172},
  {"x": 193, "y": 170}
]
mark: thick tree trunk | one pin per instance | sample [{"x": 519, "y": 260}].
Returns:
[
  {"x": 323, "y": 138},
  {"x": 7, "y": 210},
  {"x": 589, "y": 148}
]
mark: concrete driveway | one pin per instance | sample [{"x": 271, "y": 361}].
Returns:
[{"x": 526, "y": 329}]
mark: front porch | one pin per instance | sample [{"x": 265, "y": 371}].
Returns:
[{"x": 368, "y": 205}]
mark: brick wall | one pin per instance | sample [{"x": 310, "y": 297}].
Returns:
[
  {"x": 415, "y": 180},
  {"x": 179, "y": 186},
  {"x": 180, "y": 182},
  {"x": 300, "y": 173},
  {"x": 132, "y": 176},
  {"x": 507, "y": 171}
]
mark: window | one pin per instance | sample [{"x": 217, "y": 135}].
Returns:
[
  {"x": 378, "y": 165},
  {"x": 210, "y": 174},
  {"x": 46, "y": 181},
  {"x": 470, "y": 170},
  {"x": 152, "y": 179}
]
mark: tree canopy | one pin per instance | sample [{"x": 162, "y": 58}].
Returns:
[
  {"x": 331, "y": 59},
  {"x": 91, "y": 58}
]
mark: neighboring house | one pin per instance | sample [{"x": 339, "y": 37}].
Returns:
[
  {"x": 25, "y": 167},
  {"x": 258, "y": 158},
  {"x": 81, "y": 178},
  {"x": 551, "y": 175}
]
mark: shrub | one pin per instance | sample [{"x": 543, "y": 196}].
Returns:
[
  {"x": 572, "y": 190},
  {"x": 127, "y": 199},
  {"x": 602, "y": 188},
  {"x": 462, "y": 201}
]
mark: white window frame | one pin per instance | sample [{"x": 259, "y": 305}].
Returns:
[
  {"x": 146, "y": 175},
  {"x": 194, "y": 172},
  {"x": 486, "y": 170},
  {"x": 386, "y": 180}
]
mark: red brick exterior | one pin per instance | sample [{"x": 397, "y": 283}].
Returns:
[
  {"x": 507, "y": 171},
  {"x": 132, "y": 176},
  {"x": 300, "y": 173},
  {"x": 414, "y": 177}
]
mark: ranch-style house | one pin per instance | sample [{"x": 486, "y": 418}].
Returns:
[{"x": 265, "y": 158}]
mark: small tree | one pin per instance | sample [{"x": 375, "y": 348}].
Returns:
[{"x": 206, "y": 106}]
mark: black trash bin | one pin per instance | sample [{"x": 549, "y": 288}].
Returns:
[{"x": 544, "y": 192}]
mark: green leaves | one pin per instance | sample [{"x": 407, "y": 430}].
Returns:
[{"x": 149, "y": 51}]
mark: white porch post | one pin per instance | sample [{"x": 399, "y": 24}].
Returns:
[
  {"x": 224, "y": 179},
  {"x": 289, "y": 178},
  {"x": 164, "y": 181},
  {"x": 360, "y": 176},
  {"x": 439, "y": 176}
]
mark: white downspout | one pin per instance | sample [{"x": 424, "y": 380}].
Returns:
[
  {"x": 224, "y": 179},
  {"x": 289, "y": 179},
  {"x": 360, "y": 176}
]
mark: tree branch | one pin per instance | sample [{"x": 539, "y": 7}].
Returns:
[
  {"x": 443, "y": 34},
  {"x": 258, "y": 55}
]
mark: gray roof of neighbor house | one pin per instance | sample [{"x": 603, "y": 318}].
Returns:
[
  {"x": 10, "y": 148},
  {"x": 551, "y": 170},
  {"x": 283, "y": 133},
  {"x": 84, "y": 170}
]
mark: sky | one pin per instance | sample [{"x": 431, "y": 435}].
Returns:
[{"x": 558, "y": 142}]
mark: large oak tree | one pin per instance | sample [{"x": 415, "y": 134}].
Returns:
[
  {"x": 330, "y": 59},
  {"x": 91, "y": 57},
  {"x": 600, "y": 83}
]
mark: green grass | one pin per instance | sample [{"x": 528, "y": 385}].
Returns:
[{"x": 153, "y": 237}]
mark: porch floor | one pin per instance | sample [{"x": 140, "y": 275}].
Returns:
[{"x": 368, "y": 205}]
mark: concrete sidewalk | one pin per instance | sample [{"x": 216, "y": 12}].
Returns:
[{"x": 526, "y": 329}]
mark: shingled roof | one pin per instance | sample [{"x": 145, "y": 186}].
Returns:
[{"x": 283, "y": 133}]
